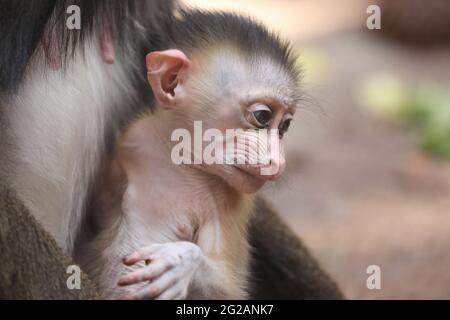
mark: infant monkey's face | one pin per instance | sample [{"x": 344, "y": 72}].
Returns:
[
  {"x": 250, "y": 104},
  {"x": 253, "y": 146},
  {"x": 251, "y": 110}
]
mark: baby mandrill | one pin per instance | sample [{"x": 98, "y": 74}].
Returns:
[{"x": 171, "y": 230}]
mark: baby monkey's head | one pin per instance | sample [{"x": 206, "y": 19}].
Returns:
[{"x": 229, "y": 73}]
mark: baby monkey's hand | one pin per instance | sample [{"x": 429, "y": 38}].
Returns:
[{"x": 170, "y": 269}]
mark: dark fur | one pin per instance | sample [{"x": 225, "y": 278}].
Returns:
[
  {"x": 23, "y": 23},
  {"x": 200, "y": 29},
  {"x": 282, "y": 267},
  {"x": 32, "y": 266}
]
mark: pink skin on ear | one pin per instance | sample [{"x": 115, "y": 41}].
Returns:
[
  {"x": 51, "y": 49},
  {"x": 166, "y": 71},
  {"x": 107, "y": 44},
  {"x": 53, "y": 54}
]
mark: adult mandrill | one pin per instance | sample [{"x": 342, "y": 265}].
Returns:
[
  {"x": 190, "y": 221},
  {"x": 65, "y": 97}
]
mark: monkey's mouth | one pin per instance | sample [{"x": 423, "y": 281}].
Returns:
[
  {"x": 255, "y": 172},
  {"x": 247, "y": 171},
  {"x": 247, "y": 181},
  {"x": 251, "y": 172}
]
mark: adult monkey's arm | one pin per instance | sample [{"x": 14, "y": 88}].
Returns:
[
  {"x": 282, "y": 267},
  {"x": 33, "y": 267}
]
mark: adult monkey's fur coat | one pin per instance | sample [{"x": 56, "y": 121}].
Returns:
[{"x": 32, "y": 265}]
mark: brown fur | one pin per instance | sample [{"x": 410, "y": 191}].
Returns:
[{"x": 31, "y": 265}]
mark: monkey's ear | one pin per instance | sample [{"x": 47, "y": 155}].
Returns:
[{"x": 166, "y": 72}]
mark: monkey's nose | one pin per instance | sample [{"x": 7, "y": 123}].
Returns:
[
  {"x": 274, "y": 169},
  {"x": 281, "y": 167}
]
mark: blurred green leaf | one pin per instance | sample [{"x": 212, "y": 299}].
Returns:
[{"x": 426, "y": 109}]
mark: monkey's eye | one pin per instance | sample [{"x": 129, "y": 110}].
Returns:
[
  {"x": 284, "y": 126},
  {"x": 259, "y": 115}
]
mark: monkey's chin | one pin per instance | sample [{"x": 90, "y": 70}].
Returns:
[{"x": 243, "y": 181}]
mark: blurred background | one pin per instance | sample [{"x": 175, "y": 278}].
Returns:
[{"x": 368, "y": 177}]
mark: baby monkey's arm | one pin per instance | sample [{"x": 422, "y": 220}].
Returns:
[{"x": 177, "y": 270}]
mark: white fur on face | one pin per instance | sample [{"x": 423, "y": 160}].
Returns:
[{"x": 224, "y": 73}]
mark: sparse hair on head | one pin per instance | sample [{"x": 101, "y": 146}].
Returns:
[{"x": 199, "y": 29}]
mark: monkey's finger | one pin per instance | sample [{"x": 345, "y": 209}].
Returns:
[
  {"x": 173, "y": 293},
  {"x": 156, "y": 288},
  {"x": 127, "y": 296},
  {"x": 148, "y": 273},
  {"x": 142, "y": 254},
  {"x": 180, "y": 296}
]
